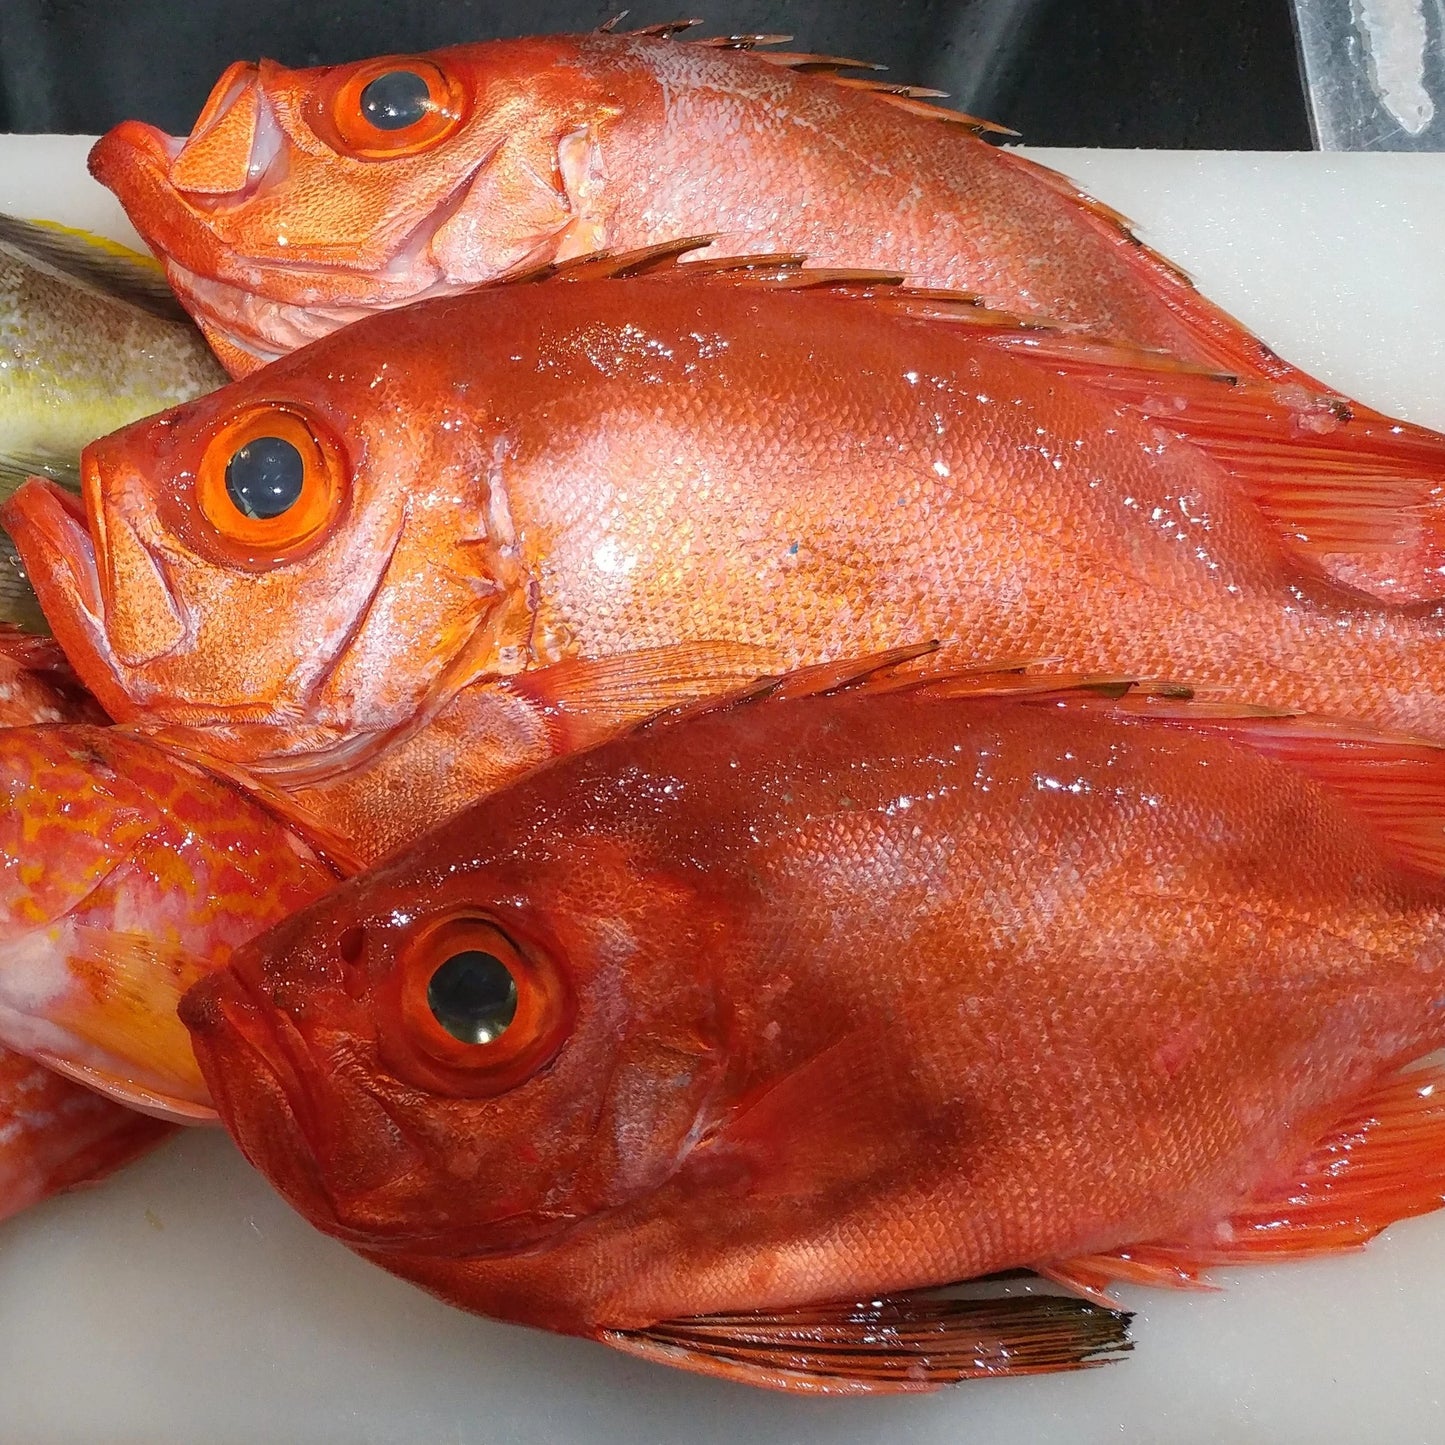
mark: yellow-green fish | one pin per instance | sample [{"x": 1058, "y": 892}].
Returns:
[{"x": 91, "y": 339}]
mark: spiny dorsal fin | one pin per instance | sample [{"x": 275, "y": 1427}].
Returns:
[
  {"x": 1217, "y": 335},
  {"x": 664, "y": 31},
  {"x": 910, "y": 98},
  {"x": 665, "y": 259},
  {"x": 816, "y": 681},
  {"x": 904, "y": 1344},
  {"x": 103, "y": 265},
  {"x": 925, "y": 668}
]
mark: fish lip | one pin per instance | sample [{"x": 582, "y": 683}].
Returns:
[
  {"x": 133, "y": 160},
  {"x": 224, "y": 1013}
]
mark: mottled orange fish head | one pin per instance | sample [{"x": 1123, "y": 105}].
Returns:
[
  {"x": 476, "y": 1047},
  {"x": 309, "y": 549},
  {"x": 303, "y": 198}
]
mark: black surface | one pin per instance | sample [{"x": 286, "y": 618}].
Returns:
[{"x": 1197, "y": 73}]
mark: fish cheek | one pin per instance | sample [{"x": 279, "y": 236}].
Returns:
[{"x": 659, "y": 1099}]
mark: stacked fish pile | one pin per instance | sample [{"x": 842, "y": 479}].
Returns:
[{"x": 880, "y": 738}]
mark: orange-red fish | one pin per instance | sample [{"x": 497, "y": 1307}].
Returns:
[
  {"x": 398, "y": 568},
  {"x": 820, "y": 999},
  {"x": 126, "y": 872},
  {"x": 305, "y": 197},
  {"x": 53, "y": 1133}
]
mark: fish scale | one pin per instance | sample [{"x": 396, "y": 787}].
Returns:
[
  {"x": 655, "y": 486},
  {"x": 799, "y": 1043}
]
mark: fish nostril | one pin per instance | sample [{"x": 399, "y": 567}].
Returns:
[{"x": 352, "y": 944}]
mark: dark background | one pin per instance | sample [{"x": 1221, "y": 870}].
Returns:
[{"x": 1194, "y": 73}]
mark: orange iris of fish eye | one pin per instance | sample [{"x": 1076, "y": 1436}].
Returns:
[
  {"x": 269, "y": 483},
  {"x": 392, "y": 107},
  {"x": 479, "y": 1012}
]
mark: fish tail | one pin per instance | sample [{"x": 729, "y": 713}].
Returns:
[{"x": 56, "y": 1135}]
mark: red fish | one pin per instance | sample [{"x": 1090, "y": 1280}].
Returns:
[
  {"x": 53, "y": 1133},
  {"x": 126, "y": 872},
  {"x": 305, "y": 197},
  {"x": 816, "y": 999},
  {"x": 520, "y": 518}
]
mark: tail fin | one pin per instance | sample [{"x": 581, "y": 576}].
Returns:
[{"x": 55, "y": 1135}]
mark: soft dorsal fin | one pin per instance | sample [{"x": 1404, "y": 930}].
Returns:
[
  {"x": 1338, "y": 483},
  {"x": 911, "y": 98},
  {"x": 903, "y": 1344},
  {"x": 92, "y": 260}
]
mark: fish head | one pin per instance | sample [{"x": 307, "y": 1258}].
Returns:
[
  {"x": 463, "y": 1054},
  {"x": 317, "y": 546},
  {"x": 305, "y": 198}
]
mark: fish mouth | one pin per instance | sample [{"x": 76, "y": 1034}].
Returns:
[
  {"x": 61, "y": 557},
  {"x": 256, "y": 1089}
]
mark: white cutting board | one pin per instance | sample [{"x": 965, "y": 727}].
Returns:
[{"x": 183, "y": 1302}]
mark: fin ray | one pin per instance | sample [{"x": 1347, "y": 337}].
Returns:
[
  {"x": 905, "y": 1344},
  {"x": 92, "y": 260}
]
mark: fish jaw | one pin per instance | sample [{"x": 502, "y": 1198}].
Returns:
[
  {"x": 281, "y": 1099},
  {"x": 225, "y": 1026},
  {"x": 48, "y": 525}
]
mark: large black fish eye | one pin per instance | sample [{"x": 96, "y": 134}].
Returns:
[
  {"x": 395, "y": 100},
  {"x": 264, "y": 478},
  {"x": 473, "y": 996}
]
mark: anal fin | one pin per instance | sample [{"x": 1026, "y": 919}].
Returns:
[
  {"x": 1384, "y": 1161},
  {"x": 906, "y": 1344}
]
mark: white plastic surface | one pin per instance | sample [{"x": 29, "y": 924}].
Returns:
[{"x": 183, "y": 1302}]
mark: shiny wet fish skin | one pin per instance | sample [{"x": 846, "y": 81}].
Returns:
[{"x": 826, "y": 998}]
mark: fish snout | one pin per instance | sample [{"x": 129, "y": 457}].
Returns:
[
  {"x": 254, "y": 1087},
  {"x": 126, "y": 149},
  {"x": 51, "y": 533}
]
